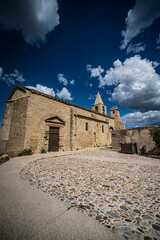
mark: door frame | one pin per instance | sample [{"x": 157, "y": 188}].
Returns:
[
  {"x": 50, "y": 140},
  {"x": 54, "y": 122}
]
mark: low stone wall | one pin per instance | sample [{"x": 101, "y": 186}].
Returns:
[
  {"x": 3, "y": 146},
  {"x": 140, "y": 135}
]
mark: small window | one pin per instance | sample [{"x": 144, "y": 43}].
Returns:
[
  {"x": 113, "y": 111},
  {"x": 103, "y": 110},
  {"x": 86, "y": 126},
  {"x": 102, "y": 128},
  {"x": 96, "y": 108}
]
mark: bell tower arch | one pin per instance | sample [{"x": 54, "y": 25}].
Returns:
[
  {"x": 99, "y": 106},
  {"x": 115, "y": 113}
]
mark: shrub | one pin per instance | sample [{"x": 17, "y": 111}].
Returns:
[
  {"x": 43, "y": 150},
  {"x": 25, "y": 152},
  {"x": 4, "y": 159},
  {"x": 155, "y": 133},
  {"x": 143, "y": 150}
]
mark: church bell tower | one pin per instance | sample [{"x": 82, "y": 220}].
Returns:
[{"x": 99, "y": 106}]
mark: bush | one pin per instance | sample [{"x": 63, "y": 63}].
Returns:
[
  {"x": 25, "y": 152},
  {"x": 155, "y": 133},
  {"x": 4, "y": 159},
  {"x": 43, "y": 150},
  {"x": 143, "y": 150}
]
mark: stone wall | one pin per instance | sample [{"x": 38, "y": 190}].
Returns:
[
  {"x": 118, "y": 125},
  {"x": 18, "y": 126},
  {"x": 73, "y": 134},
  {"x": 5, "y": 127},
  {"x": 19, "y": 93},
  {"x": 39, "y": 109},
  {"x": 12, "y": 130},
  {"x": 140, "y": 135},
  {"x": 93, "y": 136},
  {"x": 30, "y": 114}
]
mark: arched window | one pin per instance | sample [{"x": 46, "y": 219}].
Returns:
[
  {"x": 102, "y": 128},
  {"x": 96, "y": 108},
  {"x": 86, "y": 126},
  {"x": 111, "y": 129}
]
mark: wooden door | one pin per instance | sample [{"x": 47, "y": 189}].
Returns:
[{"x": 53, "y": 139}]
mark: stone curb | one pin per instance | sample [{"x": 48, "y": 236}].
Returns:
[{"x": 59, "y": 154}]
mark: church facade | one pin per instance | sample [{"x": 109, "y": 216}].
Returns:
[{"x": 38, "y": 121}]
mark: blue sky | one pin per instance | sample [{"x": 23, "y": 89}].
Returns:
[{"x": 70, "y": 48}]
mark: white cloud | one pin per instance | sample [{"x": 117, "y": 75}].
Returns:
[
  {"x": 62, "y": 79},
  {"x": 64, "y": 94},
  {"x": 33, "y": 18},
  {"x": 92, "y": 97},
  {"x": 109, "y": 92},
  {"x": 89, "y": 84},
  {"x": 142, "y": 118},
  {"x": 136, "y": 83},
  {"x": 158, "y": 41},
  {"x": 12, "y": 78},
  {"x": 95, "y": 72},
  {"x": 135, "y": 48},
  {"x": 72, "y": 82},
  {"x": 139, "y": 18},
  {"x": 1, "y": 72},
  {"x": 43, "y": 89}
]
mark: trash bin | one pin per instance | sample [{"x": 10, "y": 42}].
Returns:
[
  {"x": 133, "y": 148},
  {"x": 129, "y": 148}
]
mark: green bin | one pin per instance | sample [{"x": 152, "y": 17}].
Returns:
[{"x": 133, "y": 148}]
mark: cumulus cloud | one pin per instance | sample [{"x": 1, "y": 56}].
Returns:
[
  {"x": 143, "y": 14},
  {"x": 62, "y": 79},
  {"x": 33, "y": 18},
  {"x": 12, "y": 78},
  {"x": 43, "y": 89},
  {"x": 95, "y": 72},
  {"x": 148, "y": 118},
  {"x": 64, "y": 94},
  {"x": 136, "y": 83},
  {"x": 135, "y": 48}
]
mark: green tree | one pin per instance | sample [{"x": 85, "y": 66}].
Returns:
[{"x": 155, "y": 133}]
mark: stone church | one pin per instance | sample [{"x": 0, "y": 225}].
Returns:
[{"x": 38, "y": 121}]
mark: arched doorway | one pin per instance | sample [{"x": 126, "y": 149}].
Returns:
[{"x": 110, "y": 136}]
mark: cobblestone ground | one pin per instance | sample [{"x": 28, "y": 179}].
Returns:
[{"x": 120, "y": 191}]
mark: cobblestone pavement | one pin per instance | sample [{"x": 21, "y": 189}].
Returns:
[{"x": 120, "y": 191}]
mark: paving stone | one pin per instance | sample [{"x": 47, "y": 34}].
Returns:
[
  {"x": 156, "y": 227},
  {"x": 119, "y": 190}
]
